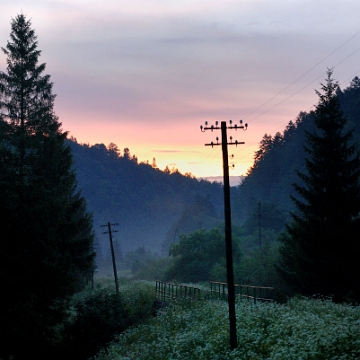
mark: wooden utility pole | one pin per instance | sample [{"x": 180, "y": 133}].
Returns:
[
  {"x": 227, "y": 214},
  {"x": 110, "y": 231}
]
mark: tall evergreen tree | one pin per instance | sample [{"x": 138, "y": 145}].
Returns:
[
  {"x": 320, "y": 250},
  {"x": 46, "y": 232}
]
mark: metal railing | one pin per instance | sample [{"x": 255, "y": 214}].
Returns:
[
  {"x": 168, "y": 291},
  {"x": 249, "y": 292}
]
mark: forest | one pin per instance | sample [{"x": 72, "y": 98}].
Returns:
[
  {"x": 153, "y": 211},
  {"x": 296, "y": 227},
  {"x": 144, "y": 200}
]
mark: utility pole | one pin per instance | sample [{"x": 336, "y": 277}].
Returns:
[
  {"x": 260, "y": 214},
  {"x": 227, "y": 213},
  {"x": 110, "y": 232}
]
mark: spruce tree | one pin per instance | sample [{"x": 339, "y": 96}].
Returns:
[
  {"x": 320, "y": 250},
  {"x": 46, "y": 233}
]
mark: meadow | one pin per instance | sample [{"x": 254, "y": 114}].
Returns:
[{"x": 302, "y": 328}]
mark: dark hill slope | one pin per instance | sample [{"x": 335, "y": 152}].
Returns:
[
  {"x": 144, "y": 201},
  {"x": 275, "y": 163}
]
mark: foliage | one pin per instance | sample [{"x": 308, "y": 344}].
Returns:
[
  {"x": 301, "y": 329},
  {"x": 320, "y": 252},
  {"x": 257, "y": 267},
  {"x": 98, "y": 316},
  {"x": 198, "y": 256},
  {"x": 46, "y": 242}
]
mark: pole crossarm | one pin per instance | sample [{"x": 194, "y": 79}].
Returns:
[
  {"x": 212, "y": 144},
  {"x": 217, "y": 127},
  {"x": 107, "y": 226}
]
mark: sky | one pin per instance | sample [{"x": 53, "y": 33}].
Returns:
[{"x": 145, "y": 74}]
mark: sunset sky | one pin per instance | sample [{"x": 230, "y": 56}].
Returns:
[{"x": 145, "y": 74}]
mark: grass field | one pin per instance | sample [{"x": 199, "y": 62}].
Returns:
[{"x": 300, "y": 329}]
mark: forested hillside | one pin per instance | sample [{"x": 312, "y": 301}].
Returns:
[
  {"x": 153, "y": 207},
  {"x": 145, "y": 201},
  {"x": 270, "y": 178}
]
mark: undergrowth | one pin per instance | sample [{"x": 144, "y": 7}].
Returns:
[
  {"x": 300, "y": 329},
  {"x": 97, "y": 316}
]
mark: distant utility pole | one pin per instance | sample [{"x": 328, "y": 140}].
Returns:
[
  {"x": 260, "y": 215},
  {"x": 110, "y": 232},
  {"x": 227, "y": 212}
]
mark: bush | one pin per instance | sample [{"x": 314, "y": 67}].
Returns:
[{"x": 97, "y": 317}]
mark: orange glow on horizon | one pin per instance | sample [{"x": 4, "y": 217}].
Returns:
[{"x": 191, "y": 157}]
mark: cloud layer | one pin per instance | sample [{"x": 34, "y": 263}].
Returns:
[{"x": 146, "y": 74}]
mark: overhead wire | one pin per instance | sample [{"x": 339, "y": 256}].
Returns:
[
  {"x": 214, "y": 154},
  {"x": 290, "y": 96},
  {"x": 296, "y": 92},
  {"x": 301, "y": 76}
]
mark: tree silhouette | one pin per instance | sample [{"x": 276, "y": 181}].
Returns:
[
  {"x": 320, "y": 250},
  {"x": 46, "y": 233}
]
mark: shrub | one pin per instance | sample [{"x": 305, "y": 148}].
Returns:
[{"x": 97, "y": 317}]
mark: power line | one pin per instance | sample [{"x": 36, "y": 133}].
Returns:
[
  {"x": 300, "y": 77},
  {"x": 295, "y": 93},
  {"x": 290, "y": 96},
  {"x": 304, "y": 87}
]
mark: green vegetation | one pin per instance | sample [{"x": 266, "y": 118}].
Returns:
[
  {"x": 98, "y": 316},
  {"x": 320, "y": 251},
  {"x": 301, "y": 329},
  {"x": 200, "y": 256}
]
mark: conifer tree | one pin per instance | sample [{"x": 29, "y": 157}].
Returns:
[
  {"x": 320, "y": 249},
  {"x": 46, "y": 233}
]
